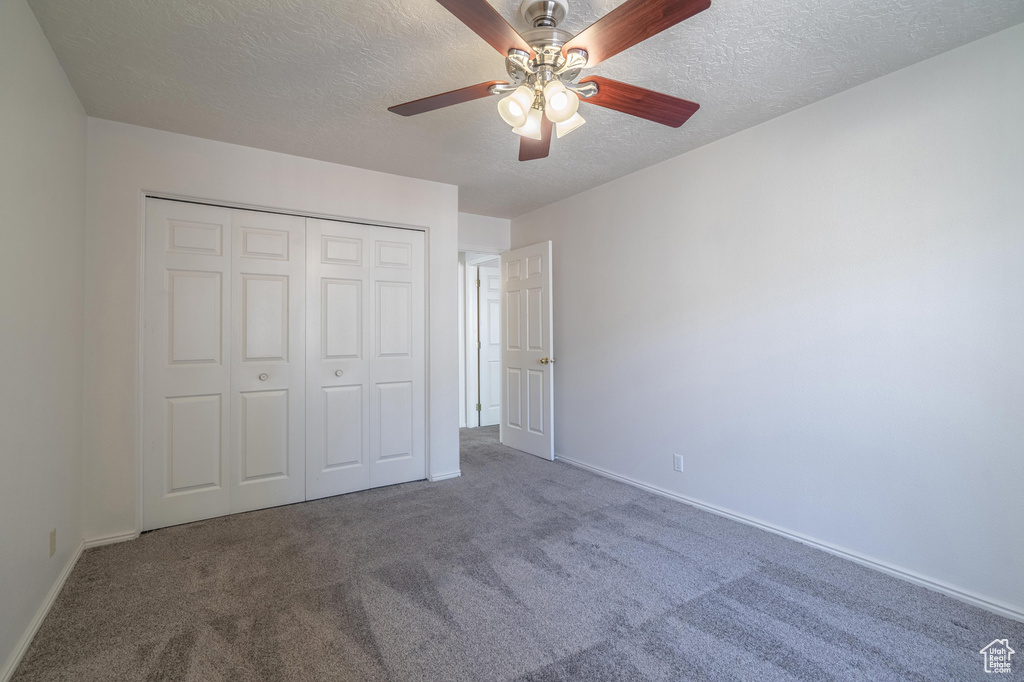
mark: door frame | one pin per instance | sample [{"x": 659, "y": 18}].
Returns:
[
  {"x": 472, "y": 365},
  {"x": 141, "y": 310},
  {"x": 465, "y": 296}
]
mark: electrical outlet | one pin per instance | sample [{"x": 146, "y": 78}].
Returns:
[
  {"x": 677, "y": 462},
  {"x": 53, "y": 542}
]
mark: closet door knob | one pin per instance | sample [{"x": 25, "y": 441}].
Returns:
[
  {"x": 338, "y": 373},
  {"x": 263, "y": 377}
]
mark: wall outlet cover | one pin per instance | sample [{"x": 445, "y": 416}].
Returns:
[{"x": 677, "y": 462}]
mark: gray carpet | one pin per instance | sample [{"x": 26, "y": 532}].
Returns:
[{"x": 520, "y": 570}]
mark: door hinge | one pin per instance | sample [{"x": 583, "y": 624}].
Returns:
[
  {"x": 478, "y": 345},
  {"x": 478, "y": 284},
  {"x": 478, "y": 406}
]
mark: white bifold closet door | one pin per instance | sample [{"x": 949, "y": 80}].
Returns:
[
  {"x": 241, "y": 409},
  {"x": 366, "y": 369},
  {"x": 224, "y": 361}
]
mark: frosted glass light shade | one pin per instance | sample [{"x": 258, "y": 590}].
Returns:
[
  {"x": 560, "y": 103},
  {"x": 531, "y": 128},
  {"x": 563, "y": 128},
  {"x": 515, "y": 108}
]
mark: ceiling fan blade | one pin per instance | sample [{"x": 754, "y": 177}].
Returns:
[
  {"x": 637, "y": 101},
  {"x": 632, "y": 22},
  {"x": 485, "y": 21},
  {"x": 536, "y": 149},
  {"x": 445, "y": 99}
]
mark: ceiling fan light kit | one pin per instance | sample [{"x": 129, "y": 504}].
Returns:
[
  {"x": 560, "y": 103},
  {"x": 515, "y": 107},
  {"x": 544, "y": 63},
  {"x": 532, "y": 127},
  {"x": 563, "y": 128}
]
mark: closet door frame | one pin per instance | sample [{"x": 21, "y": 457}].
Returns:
[{"x": 141, "y": 316}]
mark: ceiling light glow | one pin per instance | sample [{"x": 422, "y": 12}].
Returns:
[
  {"x": 514, "y": 108},
  {"x": 560, "y": 102},
  {"x": 532, "y": 127}
]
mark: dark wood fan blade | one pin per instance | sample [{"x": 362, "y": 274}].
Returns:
[
  {"x": 632, "y": 22},
  {"x": 485, "y": 21},
  {"x": 636, "y": 101},
  {"x": 536, "y": 149},
  {"x": 445, "y": 99}
]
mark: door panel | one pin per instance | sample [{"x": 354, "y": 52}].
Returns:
[
  {"x": 186, "y": 363},
  {"x": 342, "y": 315},
  {"x": 344, "y": 435},
  {"x": 526, "y": 353},
  {"x": 514, "y": 398},
  {"x": 193, "y": 443},
  {"x": 337, "y": 366},
  {"x": 394, "y": 319},
  {"x": 264, "y": 317},
  {"x": 398, "y": 366},
  {"x": 268, "y": 360},
  {"x": 490, "y": 344},
  {"x": 395, "y": 423},
  {"x": 264, "y": 435}
]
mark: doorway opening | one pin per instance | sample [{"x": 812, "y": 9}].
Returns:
[{"x": 479, "y": 339}]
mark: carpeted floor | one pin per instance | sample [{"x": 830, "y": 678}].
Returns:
[{"x": 520, "y": 570}]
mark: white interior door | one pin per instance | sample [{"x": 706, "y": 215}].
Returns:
[
  {"x": 268, "y": 365},
  {"x": 186, "y": 429},
  {"x": 366, "y": 378},
  {"x": 490, "y": 344},
  {"x": 472, "y": 371},
  {"x": 526, "y": 351}
]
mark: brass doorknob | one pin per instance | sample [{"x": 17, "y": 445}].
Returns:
[{"x": 547, "y": 361}]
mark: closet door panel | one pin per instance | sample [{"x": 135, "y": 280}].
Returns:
[
  {"x": 268, "y": 360},
  {"x": 339, "y": 330},
  {"x": 186, "y": 381},
  {"x": 398, "y": 365}
]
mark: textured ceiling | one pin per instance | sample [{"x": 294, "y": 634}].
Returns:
[{"x": 315, "y": 77}]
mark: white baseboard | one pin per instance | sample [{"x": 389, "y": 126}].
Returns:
[
  {"x": 999, "y": 608},
  {"x": 30, "y": 632},
  {"x": 444, "y": 477},
  {"x": 110, "y": 539}
]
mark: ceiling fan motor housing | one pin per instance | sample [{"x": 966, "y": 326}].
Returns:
[
  {"x": 547, "y": 40},
  {"x": 543, "y": 13}
]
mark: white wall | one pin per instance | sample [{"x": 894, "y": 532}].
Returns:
[
  {"x": 42, "y": 210},
  {"x": 483, "y": 233},
  {"x": 124, "y": 161},
  {"x": 825, "y": 315}
]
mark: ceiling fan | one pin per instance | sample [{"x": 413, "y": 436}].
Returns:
[{"x": 544, "y": 63}]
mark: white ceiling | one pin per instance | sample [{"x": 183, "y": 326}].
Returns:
[{"x": 315, "y": 77}]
